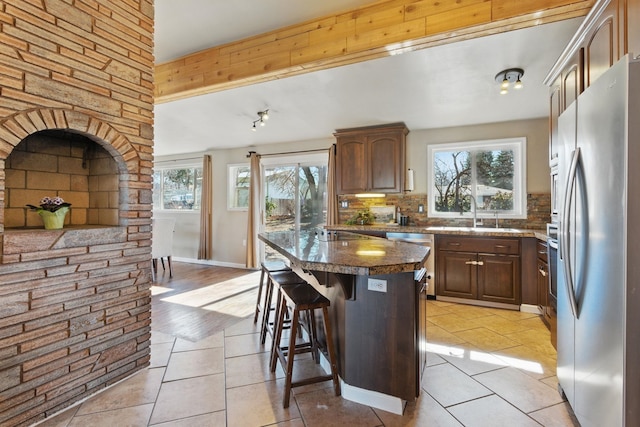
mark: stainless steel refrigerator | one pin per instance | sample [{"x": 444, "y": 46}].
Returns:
[{"x": 599, "y": 250}]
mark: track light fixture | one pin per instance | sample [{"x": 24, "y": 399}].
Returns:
[
  {"x": 263, "y": 116},
  {"x": 509, "y": 76}
]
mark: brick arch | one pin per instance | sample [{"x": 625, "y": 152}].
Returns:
[
  {"x": 14, "y": 129},
  {"x": 17, "y": 127}
]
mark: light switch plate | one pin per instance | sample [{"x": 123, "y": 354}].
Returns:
[{"x": 377, "y": 285}]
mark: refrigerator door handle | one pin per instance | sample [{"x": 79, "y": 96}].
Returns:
[{"x": 565, "y": 253}]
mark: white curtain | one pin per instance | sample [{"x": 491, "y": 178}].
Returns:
[
  {"x": 205, "y": 249},
  {"x": 255, "y": 214}
]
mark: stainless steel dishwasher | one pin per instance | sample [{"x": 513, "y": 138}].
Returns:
[{"x": 423, "y": 240}]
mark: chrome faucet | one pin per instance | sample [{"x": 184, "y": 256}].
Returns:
[{"x": 475, "y": 210}]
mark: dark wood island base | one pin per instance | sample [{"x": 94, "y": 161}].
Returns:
[{"x": 378, "y": 320}]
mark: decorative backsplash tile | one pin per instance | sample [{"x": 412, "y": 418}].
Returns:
[{"x": 538, "y": 210}]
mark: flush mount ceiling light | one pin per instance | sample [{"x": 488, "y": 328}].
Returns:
[
  {"x": 263, "y": 116},
  {"x": 508, "y": 77}
]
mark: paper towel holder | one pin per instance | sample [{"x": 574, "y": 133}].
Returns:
[{"x": 409, "y": 180}]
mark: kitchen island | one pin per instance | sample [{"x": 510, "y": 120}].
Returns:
[{"x": 378, "y": 309}]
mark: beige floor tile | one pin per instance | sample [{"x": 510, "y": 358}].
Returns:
[
  {"x": 212, "y": 419},
  {"x": 258, "y": 405},
  {"x": 529, "y": 361},
  {"x": 61, "y": 419},
  {"x": 537, "y": 339},
  {"x": 486, "y": 339},
  {"x": 133, "y": 416},
  {"x": 449, "y": 386},
  {"x": 196, "y": 363},
  {"x": 505, "y": 326},
  {"x": 455, "y": 323},
  {"x": 243, "y": 327},
  {"x": 323, "y": 409},
  {"x": 490, "y": 411},
  {"x": 250, "y": 369},
  {"x": 158, "y": 337},
  {"x": 425, "y": 411},
  {"x": 437, "y": 310},
  {"x": 470, "y": 311},
  {"x": 160, "y": 354},
  {"x": 434, "y": 359},
  {"x": 513, "y": 314},
  {"x": 473, "y": 361},
  {"x": 438, "y": 335},
  {"x": 522, "y": 391},
  {"x": 214, "y": 341},
  {"x": 139, "y": 389},
  {"x": 559, "y": 415},
  {"x": 241, "y": 345},
  {"x": 289, "y": 423},
  {"x": 189, "y": 397}
]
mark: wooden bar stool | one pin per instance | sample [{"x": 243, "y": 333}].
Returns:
[
  {"x": 267, "y": 267},
  {"x": 300, "y": 299},
  {"x": 275, "y": 279}
]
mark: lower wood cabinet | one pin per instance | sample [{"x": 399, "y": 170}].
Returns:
[{"x": 484, "y": 269}]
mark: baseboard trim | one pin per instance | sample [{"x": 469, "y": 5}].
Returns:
[{"x": 210, "y": 262}]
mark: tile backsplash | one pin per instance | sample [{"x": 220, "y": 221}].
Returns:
[{"x": 538, "y": 210}]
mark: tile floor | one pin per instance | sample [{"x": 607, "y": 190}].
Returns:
[{"x": 486, "y": 367}]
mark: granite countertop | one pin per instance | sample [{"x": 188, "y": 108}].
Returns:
[
  {"x": 460, "y": 231},
  {"x": 347, "y": 253}
]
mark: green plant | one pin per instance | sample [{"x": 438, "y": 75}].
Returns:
[
  {"x": 362, "y": 217},
  {"x": 269, "y": 206}
]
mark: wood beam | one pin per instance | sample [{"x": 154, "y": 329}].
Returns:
[{"x": 384, "y": 28}]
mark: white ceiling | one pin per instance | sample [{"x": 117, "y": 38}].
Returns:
[{"x": 451, "y": 85}]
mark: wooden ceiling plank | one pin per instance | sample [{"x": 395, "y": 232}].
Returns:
[{"x": 349, "y": 37}]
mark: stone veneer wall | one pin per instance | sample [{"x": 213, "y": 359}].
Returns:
[
  {"x": 75, "y": 303},
  {"x": 538, "y": 211}
]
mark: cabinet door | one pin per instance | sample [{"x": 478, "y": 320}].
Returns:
[
  {"x": 499, "y": 278},
  {"x": 351, "y": 164},
  {"x": 457, "y": 274},
  {"x": 601, "y": 45},
  {"x": 385, "y": 160},
  {"x": 555, "y": 107}
]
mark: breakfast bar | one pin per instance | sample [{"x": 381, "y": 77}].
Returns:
[{"x": 377, "y": 312}]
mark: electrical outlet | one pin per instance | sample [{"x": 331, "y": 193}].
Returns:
[
  {"x": 377, "y": 285},
  {"x": 344, "y": 204},
  {"x": 420, "y": 208},
  {"x": 244, "y": 242}
]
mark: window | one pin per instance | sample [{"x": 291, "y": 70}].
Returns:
[
  {"x": 238, "y": 178},
  {"x": 177, "y": 188},
  {"x": 491, "y": 172}
]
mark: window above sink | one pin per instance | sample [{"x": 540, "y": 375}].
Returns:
[{"x": 492, "y": 173}]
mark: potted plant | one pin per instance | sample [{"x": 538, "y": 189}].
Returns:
[
  {"x": 362, "y": 217},
  {"x": 52, "y": 210}
]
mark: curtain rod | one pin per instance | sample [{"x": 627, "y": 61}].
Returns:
[
  {"x": 319, "y": 150},
  {"x": 178, "y": 160}
]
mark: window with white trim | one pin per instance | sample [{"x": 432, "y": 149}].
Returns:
[
  {"x": 238, "y": 179},
  {"x": 492, "y": 172},
  {"x": 177, "y": 187}
]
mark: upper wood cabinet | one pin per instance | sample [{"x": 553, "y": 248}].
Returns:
[
  {"x": 610, "y": 31},
  {"x": 371, "y": 159}
]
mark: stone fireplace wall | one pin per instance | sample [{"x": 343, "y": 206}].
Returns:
[{"x": 74, "y": 303}]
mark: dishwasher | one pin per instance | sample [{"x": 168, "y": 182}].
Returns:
[{"x": 429, "y": 265}]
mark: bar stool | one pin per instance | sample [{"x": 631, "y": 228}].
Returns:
[
  {"x": 275, "y": 279},
  {"x": 302, "y": 298},
  {"x": 267, "y": 267}
]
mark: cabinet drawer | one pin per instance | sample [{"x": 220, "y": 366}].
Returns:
[
  {"x": 480, "y": 244},
  {"x": 541, "y": 248}
]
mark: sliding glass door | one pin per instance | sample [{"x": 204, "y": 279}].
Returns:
[{"x": 295, "y": 193}]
